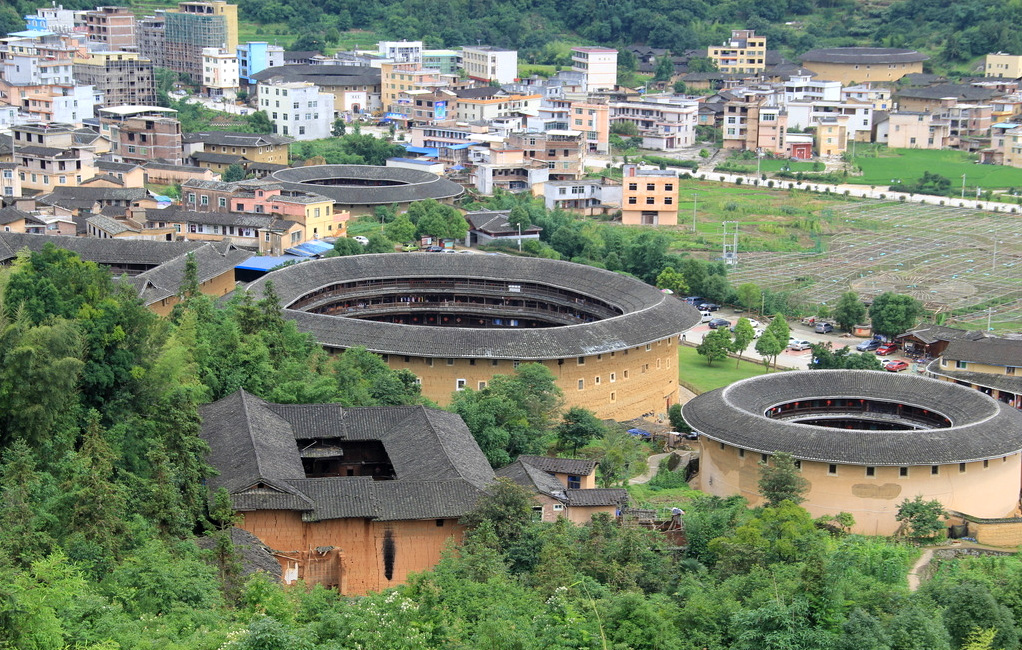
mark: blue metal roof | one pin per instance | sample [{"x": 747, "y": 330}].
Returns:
[
  {"x": 266, "y": 263},
  {"x": 413, "y": 161},
  {"x": 426, "y": 151},
  {"x": 462, "y": 145}
]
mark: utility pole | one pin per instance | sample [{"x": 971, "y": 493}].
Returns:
[
  {"x": 730, "y": 249},
  {"x": 963, "y": 186},
  {"x": 993, "y": 261},
  {"x": 695, "y": 202},
  {"x": 519, "y": 237}
]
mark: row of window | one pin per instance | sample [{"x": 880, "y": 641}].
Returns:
[
  {"x": 903, "y": 472},
  {"x": 651, "y": 200},
  {"x": 650, "y": 187}
]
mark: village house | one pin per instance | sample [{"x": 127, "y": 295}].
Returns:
[
  {"x": 992, "y": 365},
  {"x": 564, "y": 487}
]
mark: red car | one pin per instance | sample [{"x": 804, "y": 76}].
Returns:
[
  {"x": 886, "y": 348},
  {"x": 896, "y": 366}
]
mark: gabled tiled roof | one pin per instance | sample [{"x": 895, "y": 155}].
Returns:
[
  {"x": 573, "y": 466},
  {"x": 10, "y": 215},
  {"x": 218, "y": 158},
  {"x": 596, "y": 497},
  {"x": 495, "y": 222},
  {"x": 231, "y": 139},
  {"x": 439, "y": 469},
  {"x": 863, "y": 55},
  {"x": 212, "y": 260},
  {"x": 990, "y": 351},
  {"x": 933, "y": 333},
  {"x": 531, "y": 478},
  {"x": 402, "y": 185},
  {"x": 982, "y": 428},
  {"x": 108, "y": 225},
  {"x": 101, "y": 251}
]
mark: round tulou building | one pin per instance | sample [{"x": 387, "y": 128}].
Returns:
[
  {"x": 360, "y": 189},
  {"x": 455, "y": 321},
  {"x": 865, "y": 440}
]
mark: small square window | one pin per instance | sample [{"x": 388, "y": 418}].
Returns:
[
  {"x": 494, "y": 363},
  {"x": 741, "y": 453},
  {"x": 597, "y": 380},
  {"x": 581, "y": 361},
  {"x": 558, "y": 507},
  {"x": 613, "y": 397},
  {"x": 763, "y": 458},
  {"x": 581, "y": 384},
  {"x": 871, "y": 471},
  {"x": 613, "y": 377},
  {"x": 935, "y": 469},
  {"x": 832, "y": 469},
  {"x": 986, "y": 464},
  {"x": 450, "y": 362},
  {"x": 903, "y": 472},
  {"x": 459, "y": 384},
  {"x": 961, "y": 467},
  {"x": 482, "y": 385}
]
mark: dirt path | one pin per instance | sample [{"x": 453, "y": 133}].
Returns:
[
  {"x": 652, "y": 465},
  {"x": 917, "y": 568}
]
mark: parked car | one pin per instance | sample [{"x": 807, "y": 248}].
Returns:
[
  {"x": 752, "y": 321},
  {"x": 719, "y": 322},
  {"x": 709, "y": 306},
  {"x": 758, "y": 332},
  {"x": 695, "y": 300},
  {"x": 886, "y": 348},
  {"x": 362, "y": 240},
  {"x": 409, "y": 248},
  {"x": 435, "y": 249},
  {"x": 823, "y": 328},
  {"x": 868, "y": 346},
  {"x": 798, "y": 346},
  {"x": 705, "y": 316},
  {"x": 886, "y": 362},
  {"x": 896, "y": 366}
]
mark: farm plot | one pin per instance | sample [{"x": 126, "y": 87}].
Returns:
[{"x": 959, "y": 261}]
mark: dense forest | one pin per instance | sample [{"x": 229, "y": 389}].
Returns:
[{"x": 540, "y": 29}]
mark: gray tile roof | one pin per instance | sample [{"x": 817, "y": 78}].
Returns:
[
  {"x": 439, "y": 469},
  {"x": 958, "y": 91},
  {"x": 322, "y": 75},
  {"x": 495, "y": 222},
  {"x": 573, "y": 466},
  {"x": 231, "y": 139},
  {"x": 863, "y": 55},
  {"x": 108, "y": 225},
  {"x": 533, "y": 479},
  {"x": 646, "y": 314},
  {"x": 212, "y": 259},
  {"x": 243, "y": 219},
  {"x": 1009, "y": 383},
  {"x": 991, "y": 351},
  {"x": 409, "y": 184},
  {"x": 596, "y": 497},
  {"x": 101, "y": 251},
  {"x": 219, "y": 158},
  {"x": 99, "y": 193},
  {"x": 982, "y": 428},
  {"x": 933, "y": 333},
  {"x": 10, "y": 215}
]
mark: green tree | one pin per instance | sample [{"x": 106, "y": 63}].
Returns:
[
  {"x": 260, "y": 122},
  {"x": 620, "y": 456},
  {"x": 716, "y": 287},
  {"x": 577, "y": 428},
  {"x": 715, "y": 345},
  {"x": 774, "y": 339},
  {"x": 672, "y": 280},
  {"x": 923, "y": 519},
  {"x": 749, "y": 295},
  {"x": 862, "y": 630},
  {"x": 826, "y": 358},
  {"x": 744, "y": 335},
  {"x": 969, "y": 606},
  {"x": 233, "y": 173},
  {"x": 226, "y": 557},
  {"x": 781, "y": 480},
  {"x": 892, "y": 313},
  {"x": 379, "y": 244},
  {"x": 701, "y": 64},
  {"x": 664, "y": 69},
  {"x": 849, "y": 311},
  {"x": 507, "y": 507},
  {"x": 365, "y": 379},
  {"x": 400, "y": 229},
  {"x": 916, "y": 628},
  {"x": 434, "y": 219},
  {"x": 344, "y": 246}
]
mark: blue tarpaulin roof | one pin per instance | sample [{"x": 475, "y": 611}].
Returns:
[
  {"x": 426, "y": 151},
  {"x": 265, "y": 263},
  {"x": 413, "y": 161},
  {"x": 642, "y": 433},
  {"x": 462, "y": 145}
]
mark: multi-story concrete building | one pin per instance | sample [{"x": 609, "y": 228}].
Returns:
[
  {"x": 194, "y": 26},
  {"x": 743, "y": 52},
  {"x": 592, "y": 119},
  {"x": 808, "y": 114},
  {"x": 446, "y": 61},
  {"x": 586, "y": 196},
  {"x": 598, "y": 64},
  {"x": 252, "y": 147},
  {"x": 878, "y": 96},
  {"x": 396, "y": 78},
  {"x": 401, "y": 51},
  {"x": 662, "y": 125},
  {"x": 804, "y": 88},
  {"x": 486, "y": 63},
  {"x": 832, "y": 135},
  {"x": 54, "y": 103},
  {"x": 122, "y": 77},
  {"x": 55, "y": 19},
  {"x": 150, "y": 34},
  {"x": 111, "y": 28},
  {"x": 143, "y": 133},
  {"x": 1002, "y": 65},
  {"x": 47, "y": 157},
  {"x": 914, "y": 130},
  {"x": 562, "y": 152},
  {"x": 10, "y": 181},
  {"x": 487, "y": 103},
  {"x": 753, "y": 124},
  {"x": 255, "y": 57},
  {"x": 649, "y": 196},
  {"x": 297, "y": 109},
  {"x": 219, "y": 72}
]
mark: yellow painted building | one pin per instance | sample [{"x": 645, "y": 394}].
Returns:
[
  {"x": 744, "y": 52},
  {"x": 649, "y": 196}
]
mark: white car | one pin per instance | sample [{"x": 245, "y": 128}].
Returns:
[
  {"x": 705, "y": 316},
  {"x": 758, "y": 332},
  {"x": 362, "y": 240},
  {"x": 798, "y": 346}
]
